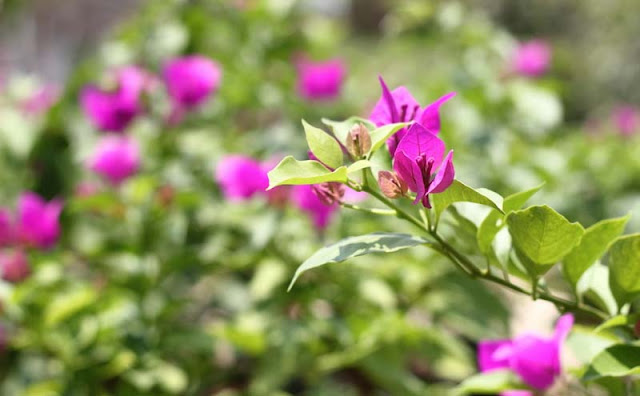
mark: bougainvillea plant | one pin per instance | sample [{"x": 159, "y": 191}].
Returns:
[{"x": 511, "y": 246}]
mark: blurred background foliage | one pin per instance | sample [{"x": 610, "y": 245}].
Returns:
[{"x": 162, "y": 287}]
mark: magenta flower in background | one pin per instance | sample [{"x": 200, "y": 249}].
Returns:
[
  {"x": 6, "y": 228},
  {"x": 307, "y": 201},
  {"x": 418, "y": 161},
  {"x": 626, "y": 120},
  {"x": 116, "y": 158},
  {"x": 400, "y": 106},
  {"x": 114, "y": 110},
  {"x": 14, "y": 266},
  {"x": 532, "y": 58},
  {"x": 534, "y": 359},
  {"x": 241, "y": 177},
  {"x": 45, "y": 97},
  {"x": 38, "y": 221},
  {"x": 320, "y": 80},
  {"x": 190, "y": 80}
]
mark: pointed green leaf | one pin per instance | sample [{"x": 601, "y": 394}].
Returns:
[
  {"x": 459, "y": 192},
  {"x": 380, "y": 135},
  {"x": 358, "y": 246},
  {"x": 594, "y": 286},
  {"x": 624, "y": 262},
  {"x": 594, "y": 243},
  {"x": 543, "y": 235},
  {"x": 341, "y": 129},
  {"x": 615, "y": 361},
  {"x": 490, "y": 383},
  {"x": 517, "y": 200},
  {"x": 291, "y": 172},
  {"x": 323, "y": 146},
  {"x": 488, "y": 230},
  {"x": 618, "y": 321}
]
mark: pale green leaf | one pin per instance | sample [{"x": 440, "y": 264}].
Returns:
[
  {"x": 358, "y": 165},
  {"x": 517, "y": 200},
  {"x": 594, "y": 243},
  {"x": 490, "y": 383},
  {"x": 459, "y": 192},
  {"x": 323, "y": 146},
  {"x": 380, "y": 135},
  {"x": 341, "y": 129},
  {"x": 292, "y": 172},
  {"x": 358, "y": 246},
  {"x": 624, "y": 262},
  {"x": 543, "y": 235},
  {"x": 616, "y": 361}
]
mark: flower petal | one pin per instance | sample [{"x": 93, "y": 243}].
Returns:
[
  {"x": 494, "y": 354},
  {"x": 419, "y": 140},
  {"x": 536, "y": 360},
  {"x": 444, "y": 177},
  {"x": 430, "y": 117},
  {"x": 409, "y": 171}
]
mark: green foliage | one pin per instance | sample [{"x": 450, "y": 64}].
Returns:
[
  {"x": 459, "y": 192},
  {"x": 490, "y": 383},
  {"x": 615, "y": 361}
]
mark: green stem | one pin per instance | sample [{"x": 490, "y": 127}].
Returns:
[{"x": 384, "y": 212}]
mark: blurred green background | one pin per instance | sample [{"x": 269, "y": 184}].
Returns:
[{"x": 162, "y": 287}]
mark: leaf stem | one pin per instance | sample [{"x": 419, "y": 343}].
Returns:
[{"x": 384, "y": 212}]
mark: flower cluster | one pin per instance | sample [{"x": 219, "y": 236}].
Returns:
[{"x": 35, "y": 225}]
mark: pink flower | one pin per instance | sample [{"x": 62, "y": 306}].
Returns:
[
  {"x": 418, "y": 161},
  {"x": 14, "y": 266},
  {"x": 115, "y": 110},
  {"x": 532, "y": 58},
  {"x": 45, "y": 97},
  {"x": 400, "y": 106},
  {"x": 190, "y": 80},
  {"x": 38, "y": 223},
  {"x": 306, "y": 200},
  {"x": 320, "y": 80},
  {"x": 6, "y": 228},
  {"x": 241, "y": 177},
  {"x": 116, "y": 158},
  {"x": 626, "y": 120},
  {"x": 534, "y": 359}
]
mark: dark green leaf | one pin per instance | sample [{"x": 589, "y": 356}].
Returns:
[
  {"x": 615, "y": 361},
  {"x": 624, "y": 262}
]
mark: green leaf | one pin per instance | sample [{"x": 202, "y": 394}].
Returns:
[
  {"x": 341, "y": 129},
  {"x": 594, "y": 243},
  {"x": 68, "y": 304},
  {"x": 594, "y": 286},
  {"x": 490, "y": 383},
  {"x": 616, "y": 361},
  {"x": 323, "y": 146},
  {"x": 488, "y": 230},
  {"x": 380, "y": 135},
  {"x": 357, "y": 246},
  {"x": 618, "y": 321},
  {"x": 358, "y": 165},
  {"x": 459, "y": 192},
  {"x": 292, "y": 172},
  {"x": 517, "y": 200},
  {"x": 543, "y": 236},
  {"x": 624, "y": 262}
]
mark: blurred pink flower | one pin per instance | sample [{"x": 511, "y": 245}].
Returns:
[
  {"x": 45, "y": 97},
  {"x": 190, "y": 80},
  {"x": 241, "y": 177},
  {"x": 38, "y": 223},
  {"x": 626, "y": 120},
  {"x": 532, "y": 58},
  {"x": 320, "y": 80},
  {"x": 534, "y": 359},
  {"x": 114, "y": 110},
  {"x": 307, "y": 201},
  {"x": 86, "y": 189},
  {"x": 116, "y": 158},
  {"x": 14, "y": 266},
  {"x": 6, "y": 228}
]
